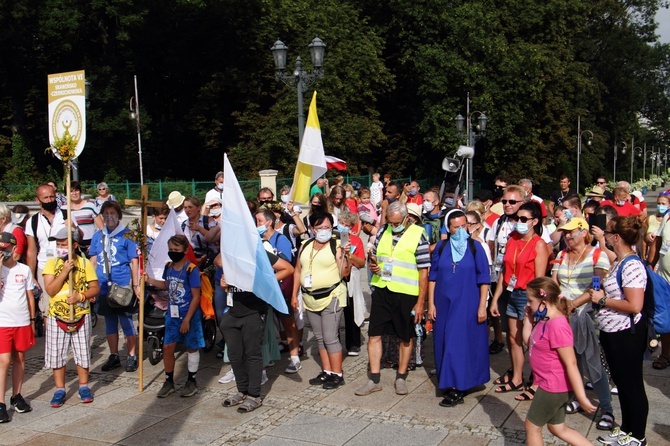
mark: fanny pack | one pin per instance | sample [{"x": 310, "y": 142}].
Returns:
[
  {"x": 120, "y": 296},
  {"x": 70, "y": 327},
  {"x": 320, "y": 293}
]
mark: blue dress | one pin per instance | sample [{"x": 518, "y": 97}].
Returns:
[{"x": 460, "y": 342}]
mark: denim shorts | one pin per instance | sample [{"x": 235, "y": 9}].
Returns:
[{"x": 516, "y": 306}]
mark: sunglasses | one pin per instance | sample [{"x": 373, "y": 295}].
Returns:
[
  {"x": 602, "y": 182},
  {"x": 102, "y": 188},
  {"x": 512, "y": 202},
  {"x": 524, "y": 219}
]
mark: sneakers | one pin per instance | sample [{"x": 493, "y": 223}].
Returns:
[
  {"x": 264, "y": 378},
  {"x": 301, "y": 350},
  {"x": 4, "y": 416},
  {"x": 58, "y": 398},
  {"x": 228, "y": 377},
  {"x": 112, "y": 363},
  {"x": 168, "y": 388},
  {"x": 85, "y": 395},
  {"x": 333, "y": 382},
  {"x": 19, "y": 404},
  {"x": 319, "y": 380},
  {"x": 401, "y": 387},
  {"x": 131, "y": 364},
  {"x": 354, "y": 351},
  {"x": 368, "y": 388},
  {"x": 629, "y": 440},
  {"x": 293, "y": 367},
  {"x": 612, "y": 437},
  {"x": 189, "y": 389}
]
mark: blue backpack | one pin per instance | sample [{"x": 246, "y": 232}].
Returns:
[{"x": 656, "y": 308}]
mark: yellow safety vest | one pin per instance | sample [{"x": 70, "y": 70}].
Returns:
[{"x": 405, "y": 274}]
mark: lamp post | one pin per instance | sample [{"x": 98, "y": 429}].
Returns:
[
  {"x": 624, "y": 146},
  {"x": 581, "y": 133},
  {"x": 471, "y": 135},
  {"x": 134, "y": 113},
  {"x": 301, "y": 80}
]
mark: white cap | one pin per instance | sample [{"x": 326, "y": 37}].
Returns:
[{"x": 639, "y": 195}]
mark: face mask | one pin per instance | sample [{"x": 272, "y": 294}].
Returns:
[
  {"x": 567, "y": 214},
  {"x": 398, "y": 229},
  {"x": 262, "y": 229},
  {"x": 323, "y": 235},
  {"x": 157, "y": 226},
  {"x": 316, "y": 207},
  {"x": 538, "y": 314},
  {"x": 219, "y": 186},
  {"x": 662, "y": 208},
  {"x": 391, "y": 200},
  {"x": 6, "y": 255},
  {"x": 285, "y": 198},
  {"x": 498, "y": 192},
  {"x": 50, "y": 206},
  {"x": 522, "y": 228},
  {"x": 176, "y": 256},
  {"x": 608, "y": 245},
  {"x": 460, "y": 234},
  {"x": 620, "y": 202},
  {"x": 428, "y": 206},
  {"x": 342, "y": 228},
  {"x": 348, "y": 194},
  {"x": 412, "y": 192},
  {"x": 215, "y": 212},
  {"x": 62, "y": 252},
  {"x": 111, "y": 219}
]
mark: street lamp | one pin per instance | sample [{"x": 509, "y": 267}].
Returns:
[
  {"x": 471, "y": 135},
  {"x": 580, "y": 134},
  {"x": 134, "y": 113},
  {"x": 299, "y": 79}
]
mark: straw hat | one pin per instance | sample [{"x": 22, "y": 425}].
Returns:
[
  {"x": 175, "y": 199},
  {"x": 597, "y": 191}
]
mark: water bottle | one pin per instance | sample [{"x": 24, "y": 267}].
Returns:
[{"x": 418, "y": 329}]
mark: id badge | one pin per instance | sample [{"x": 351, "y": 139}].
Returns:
[
  {"x": 229, "y": 298},
  {"x": 387, "y": 272},
  {"x": 499, "y": 262},
  {"x": 512, "y": 283},
  {"x": 308, "y": 281},
  {"x": 174, "y": 311},
  {"x": 664, "y": 248},
  {"x": 50, "y": 253}
]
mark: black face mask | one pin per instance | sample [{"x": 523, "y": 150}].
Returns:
[
  {"x": 498, "y": 191},
  {"x": 286, "y": 219},
  {"x": 176, "y": 256},
  {"x": 50, "y": 206},
  {"x": 316, "y": 208},
  {"x": 391, "y": 200}
]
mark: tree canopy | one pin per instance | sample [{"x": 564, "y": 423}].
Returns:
[{"x": 397, "y": 72}]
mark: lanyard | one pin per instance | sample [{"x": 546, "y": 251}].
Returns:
[
  {"x": 574, "y": 266},
  {"x": 517, "y": 253}
]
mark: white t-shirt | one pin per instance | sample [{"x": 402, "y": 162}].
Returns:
[
  {"x": 376, "y": 192},
  {"x": 14, "y": 311},
  {"x": 46, "y": 249},
  {"x": 214, "y": 194},
  {"x": 633, "y": 275}
]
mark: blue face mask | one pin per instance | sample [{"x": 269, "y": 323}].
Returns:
[
  {"x": 398, "y": 229},
  {"x": 522, "y": 228},
  {"x": 412, "y": 192},
  {"x": 460, "y": 234},
  {"x": 262, "y": 229},
  {"x": 538, "y": 314},
  {"x": 662, "y": 209},
  {"x": 568, "y": 215},
  {"x": 342, "y": 228}
]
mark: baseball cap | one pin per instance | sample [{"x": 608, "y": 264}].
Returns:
[
  {"x": 574, "y": 223},
  {"x": 62, "y": 235},
  {"x": 6, "y": 239}
]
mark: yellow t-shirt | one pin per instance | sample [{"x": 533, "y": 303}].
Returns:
[
  {"x": 84, "y": 272},
  {"x": 324, "y": 271}
]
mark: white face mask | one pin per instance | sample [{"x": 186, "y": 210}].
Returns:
[
  {"x": 62, "y": 252},
  {"x": 428, "y": 206},
  {"x": 219, "y": 186},
  {"x": 215, "y": 212},
  {"x": 285, "y": 198},
  {"x": 323, "y": 235}
]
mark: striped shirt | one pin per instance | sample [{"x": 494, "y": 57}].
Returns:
[
  {"x": 85, "y": 218},
  {"x": 575, "y": 279}
]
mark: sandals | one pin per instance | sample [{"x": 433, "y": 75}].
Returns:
[
  {"x": 606, "y": 422},
  {"x": 496, "y": 347},
  {"x": 573, "y": 407},
  {"x": 250, "y": 404},
  {"x": 504, "y": 378},
  {"x": 661, "y": 362},
  {"x": 510, "y": 387},
  {"x": 234, "y": 400},
  {"x": 526, "y": 395}
]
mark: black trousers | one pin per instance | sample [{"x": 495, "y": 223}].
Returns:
[
  {"x": 352, "y": 332},
  {"x": 244, "y": 338},
  {"x": 624, "y": 351}
]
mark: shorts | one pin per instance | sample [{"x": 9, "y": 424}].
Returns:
[
  {"x": 548, "y": 408},
  {"x": 193, "y": 340},
  {"x": 58, "y": 344},
  {"x": 516, "y": 305},
  {"x": 17, "y": 339},
  {"x": 391, "y": 313}
]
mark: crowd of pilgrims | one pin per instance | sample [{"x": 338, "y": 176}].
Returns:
[{"x": 550, "y": 273}]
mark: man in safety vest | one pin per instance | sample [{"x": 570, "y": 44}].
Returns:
[{"x": 399, "y": 262}]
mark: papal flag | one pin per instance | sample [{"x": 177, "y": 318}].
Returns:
[
  {"x": 246, "y": 265},
  {"x": 312, "y": 159}
]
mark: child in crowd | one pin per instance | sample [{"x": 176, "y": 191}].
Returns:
[
  {"x": 366, "y": 205},
  {"x": 547, "y": 332},
  {"x": 159, "y": 215},
  {"x": 183, "y": 320},
  {"x": 376, "y": 190}
]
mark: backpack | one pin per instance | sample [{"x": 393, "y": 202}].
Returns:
[
  {"x": 34, "y": 221},
  {"x": 206, "y": 291},
  {"x": 656, "y": 307},
  {"x": 436, "y": 226},
  {"x": 333, "y": 249}
]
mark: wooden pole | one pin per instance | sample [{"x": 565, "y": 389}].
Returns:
[{"x": 69, "y": 234}]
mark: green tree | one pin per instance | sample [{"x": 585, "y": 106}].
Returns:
[{"x": 22, "y": 170}]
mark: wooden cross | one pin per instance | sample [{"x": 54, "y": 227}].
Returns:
[{"x": 144, "y": 204}]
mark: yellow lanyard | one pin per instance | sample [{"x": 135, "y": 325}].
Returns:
[
  {"x": 517, "y": 254},
  {"x": 579, "y": 259}
]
